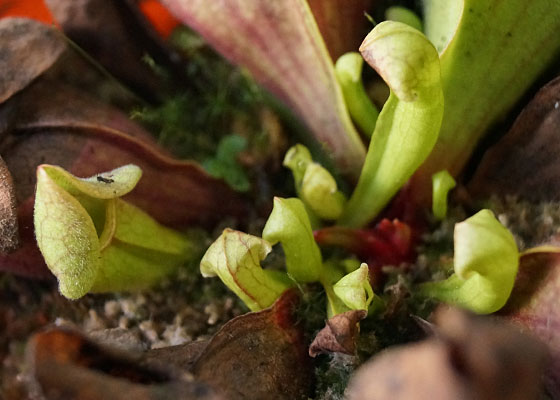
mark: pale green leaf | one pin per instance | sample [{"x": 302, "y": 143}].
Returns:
[
  {"x": 289, "y": 224},
  {"x": 94, "y": 242},
  {"x": 348, "y": 69},
  {"x": 319, "y": 192},
  {"x": 297, "y": 159},
  {"x": 442, "y": 183},
  {"x": 136, "y": 251},
  {"x": 354, "y": 289},
  {"x": 408, "y": 125},
  {"x": 485, "y": 262},
  {"x": 335, "y": 305},
  {"x": 404, "y": 15},
  {"x": 332, "y": 272},
  {"x": 491, "y": 54},
  {"x": 441, "y": 18},
  {"x": 66, "y": 237},
  {"x": 235, "y": 257},
  {"x": 315, "y": 186},
  {"x": 107, "y": 185}
]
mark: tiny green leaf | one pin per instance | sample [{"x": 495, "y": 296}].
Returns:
[
  {"x": 297, "y": 159},
  {"x": 235, "y": 257},
  {"x": 320, "y": 192},
  {"x": 93, "y": 241},
  {"x": 355, "y": 290},
  {"x": 66, "y": 237},
  {"x": 225, "y": 165},
  {"x": 136, "y": 250},
  {"x": 330, "y": 275},
  {"x": 348, "y": 69},
  {"x": 486, "y": 262},
  {"x": 404, "y": 15},
  {"x": 289, "y": 224},
  {"x": 335, "y": 305},
  {"x": 442, "y": 183},
  {"x": 315, "y": 186},
  {"x": 408, "y": 125}
]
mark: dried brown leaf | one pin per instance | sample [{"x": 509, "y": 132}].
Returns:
[
  {"x": 26, "y": 260},
  {"x": 117, "y": 36},
  {"x": 259, "y": 355},
  {"x": 415, "y": 372},
  {"x": 183, "y": 356},
  {"x": 534, "y": 305},
  {"x": 471, "y": 358},
  {"x": 28, "y": 49},
  {"x": 64, "y": 365},
  {"x": 526, "y": 161},
  {"x": 498, "y": 359},
  {"x": 8, "y": 213},
  {"x": 339, "y": 334}
]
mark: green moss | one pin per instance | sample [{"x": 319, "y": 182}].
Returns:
[
  {"x": 224, "y": 164},
  {"x": 217, "y": 95}
]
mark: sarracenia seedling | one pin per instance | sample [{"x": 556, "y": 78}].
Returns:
[
  {"x": 409, "y": 123},
  {"x": 93, "y": 241},
  {"x": 485, "y": 262}
]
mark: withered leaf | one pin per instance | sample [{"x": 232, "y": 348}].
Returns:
[
  {"x": 117, "y": 36},
  {"x": 534, "y": 305},
  {"x": 182, "y": 356},
  {"x": 339, "y": 335},
  {"x": 342, "y": 23},
  {"x": 259, "y": 355},
  {"x": 118, "y": 338},
  {"x": 26, "y": 260},
  {"x": 8, "y": 212},
  {"x": 499, "y": 361},
  {"x": 28, "y": 49},
  {"x": 64, "y": 365},
  {"x": 400, "y": 374},
  {"x": 472, "y": 358},
  {"x": 50, "y": 123},
  {"x": 526, "y": 161}
]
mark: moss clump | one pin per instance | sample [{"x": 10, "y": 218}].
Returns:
[{"x": 215, "y": 96}]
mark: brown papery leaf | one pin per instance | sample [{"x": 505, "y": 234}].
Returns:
[
  {"x": 64, "y": 365},
  {"x": 526, "y": 161},
  {"x": 259, "y": 355},
  {"x": 54, "y": 124},
  {"x": 117, "y": 37},
  {"x": 28, "y": 49},
  {"x": 472, "y": 358},
  {"x": 534, "y": 304},
  {"x": 8, "y": 212},
  {"x": 183, "y": 356},
  {"x": 415, "y": 372},
  {"x": 339, "y": 335},
  {"x": 280, "y": 44},
  {"x": 342, "y": 23}
]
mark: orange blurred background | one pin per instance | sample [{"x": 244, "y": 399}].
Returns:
[{"x": 161, "y": 19}]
